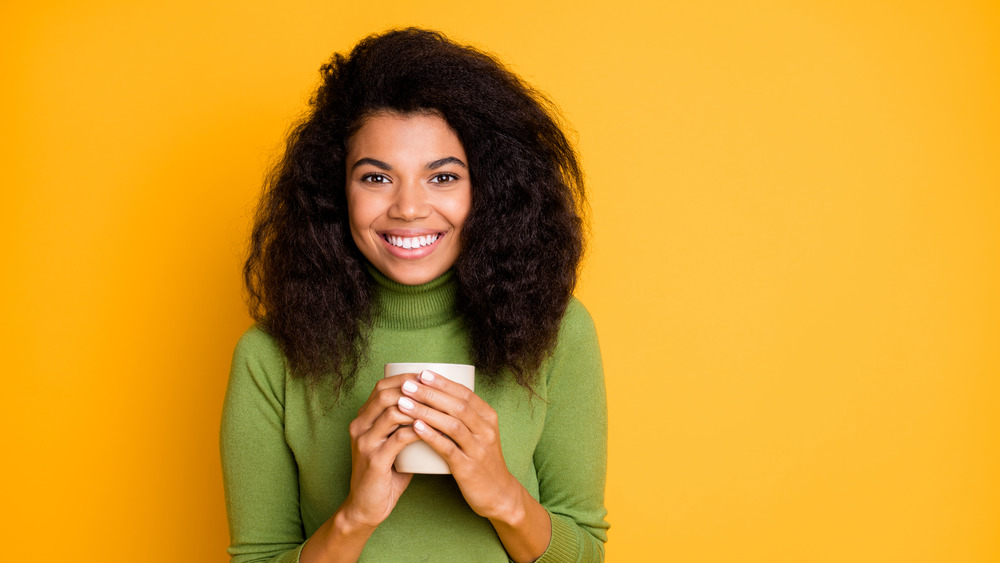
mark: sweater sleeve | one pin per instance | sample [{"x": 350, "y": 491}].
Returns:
[
  {"x": 571, "y": 457},
  {"x": 259, "y": 472}
]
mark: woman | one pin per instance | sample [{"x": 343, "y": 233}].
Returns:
[{"x": 427, "y": 210}]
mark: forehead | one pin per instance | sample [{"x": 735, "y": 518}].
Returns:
[{"x": 414, "y": 135}]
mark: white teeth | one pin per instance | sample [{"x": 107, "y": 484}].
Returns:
[{"x": 411, "y": 242}]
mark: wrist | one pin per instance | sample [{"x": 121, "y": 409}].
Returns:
[
  {"x": 346, "y": 522},
  {"x": 339, "y": 539},
  {"x": 513, "y": 509},
  {"x": 523, "y": 526}
]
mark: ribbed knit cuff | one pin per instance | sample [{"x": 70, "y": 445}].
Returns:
[
  {"x": 564, "y": 545},
  {"x": 291, "y": 556}
]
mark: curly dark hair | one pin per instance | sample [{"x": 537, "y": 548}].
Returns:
[{"x": 306, "y": 280}]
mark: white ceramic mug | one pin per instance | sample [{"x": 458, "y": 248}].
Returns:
[{"x": 418, "y": 457}]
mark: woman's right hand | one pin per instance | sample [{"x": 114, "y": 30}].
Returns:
[{"x": 378, "y": 434}]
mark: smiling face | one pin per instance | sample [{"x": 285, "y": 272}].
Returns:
[{"x": 408, "y": 193}]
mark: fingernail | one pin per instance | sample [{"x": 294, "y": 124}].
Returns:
[
  {"x": 405, "y": 403},
  {"x": 419, "y": 425},
  {"x": 426, "y": 376},
  {"x": 410, "y": 387}
]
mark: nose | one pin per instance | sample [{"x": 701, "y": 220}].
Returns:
[{"x": 410, "y": 202}]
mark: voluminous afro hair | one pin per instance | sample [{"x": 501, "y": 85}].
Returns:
[{"x": 521, "y": 243}]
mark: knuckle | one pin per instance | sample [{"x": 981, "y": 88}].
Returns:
[
  {"x": 444, "y": 444},
  {"x": 397, "y": 416},
  {"x": 387, "y": 398},
  {"x": 363, "y": 444},
  {"x": 404, "y": 434}
]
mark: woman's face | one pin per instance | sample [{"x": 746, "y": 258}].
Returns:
[{"x": 408, "y": 193}]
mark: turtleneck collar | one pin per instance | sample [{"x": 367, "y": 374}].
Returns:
[{"x": 413, "y": 306}]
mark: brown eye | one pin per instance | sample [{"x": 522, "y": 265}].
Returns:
[
  {"x": 375, "y": 178},
  {"x": 443, "y": 178}
]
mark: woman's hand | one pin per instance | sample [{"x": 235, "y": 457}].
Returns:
[
  {"x": 378, "y": 434},
  {"x": 464, "y": 430}
]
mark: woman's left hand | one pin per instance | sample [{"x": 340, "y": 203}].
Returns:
[{"x": 464, "y": 430}]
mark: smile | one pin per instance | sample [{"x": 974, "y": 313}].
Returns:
[{"x": 411, "y": 242}]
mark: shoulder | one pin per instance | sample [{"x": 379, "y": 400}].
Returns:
[
  {"x": 576, "y": 359},
  {"x": 577, "y": 323},
  {"x": 258, "y": 357},
  {"x": 256, "y": 342},
  {"x": 577, "y": 335}
]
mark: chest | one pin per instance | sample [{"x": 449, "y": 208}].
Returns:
[{"x": 316, "y": 427}]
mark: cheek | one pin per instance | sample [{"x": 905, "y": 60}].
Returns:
[
  {"x": 459, "y": 209},
  {"x": 358, "y": 209},
  {"x": 357, "y": 224}
]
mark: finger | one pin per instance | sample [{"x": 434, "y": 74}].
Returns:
[
  {"x": 454, "y": 428},
  {"x": 399, "y": 440},
  {"x": 384, "y": 395},
  {"x": 389, "y": 450},
  {"x": 383, "y": 427},
  {"x": 396, "y": 380},
  {"x": 452, "y": 398},
  {"x": 438, "y": 381},
  {"x": 438, "y": 442}
]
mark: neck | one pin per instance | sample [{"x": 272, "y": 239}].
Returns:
[{"x": 413, "y": 306}]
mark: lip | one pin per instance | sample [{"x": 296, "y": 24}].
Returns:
[
  {"x": 411, "y": 253},
  {"x": 409, "y": 232}
]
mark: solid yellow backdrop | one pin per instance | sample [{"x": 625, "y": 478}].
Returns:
[{"x": 794, "y": 264}]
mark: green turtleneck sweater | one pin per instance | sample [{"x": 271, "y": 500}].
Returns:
[{"x": 286, "y": 452}]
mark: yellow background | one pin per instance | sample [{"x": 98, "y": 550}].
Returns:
[{"x": 794, "y": 263}]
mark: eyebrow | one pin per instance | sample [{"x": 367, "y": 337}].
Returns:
[
  {"x": 430, "y": 165},
  {"x": 373, "y": 162},
  {"x": 446, "y": 160}
]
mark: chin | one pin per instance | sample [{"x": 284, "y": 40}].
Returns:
[{"x": 412, "y": 276}]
